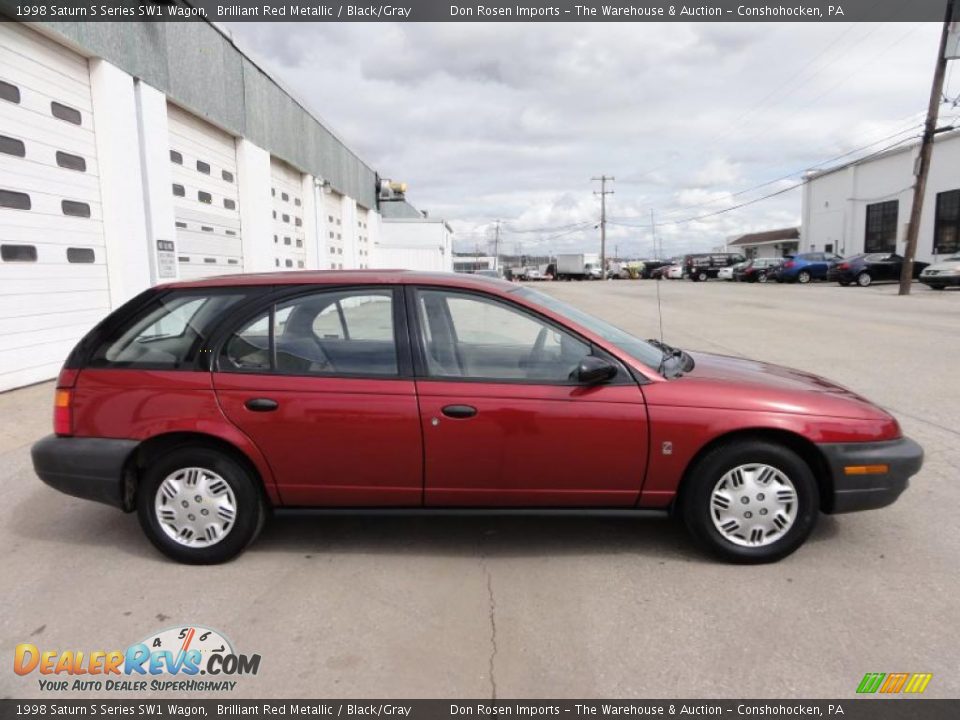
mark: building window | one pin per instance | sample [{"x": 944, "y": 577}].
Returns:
[
  {"x": 229, "y": 204},
  {"x": 206, "y": 228},
  {"x": 210, "y": 261},
  {"x": 203, "y": 167},
  {"x": 331, "y": 234},
  {"x": 65, "y": 112},
  {"x": 284, "y": 197},
  {"x": 286, "y": 218},
  {"x": 80, "y": 255},
  {"x": 298, "y": 222},
  {"x": 946, "y": 232},
  {"x": 233, "y": 261},
  {"x": 330, "y": 218},
  {"x": 881, "y": 233},
  {"x": 75, "y": 209},
  {"x": 286, "y": 241},
  {"x": 176, "y": 157},
  {"x": 299, "y": 242},
  {"x": 227, "y": 175},
  {"x": 12, "y": 146},
  {"x": 8, "y": 92},
  {"x": 71, "y": 162},
  {"x": 15, "y": 200},
  {"x": 288, "y": 263},
  {"x": 183, "y": 258},
  {"x": 204, "y": 197},
  {"x": 296, "y": 201},
  {"x": 180, "y": 224},
  {"x": 178, "y": 190},
  {"x": 18, "y": 253},
  {"x": 231, "y": 233},
  {"x": 273, "y": 192},
  {"x": 300, "y": 263}
]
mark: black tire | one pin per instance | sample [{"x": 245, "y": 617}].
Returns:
[
  {"x": 864, "y": 279},
  {"x": 251, "y": 511},
  {"x": 702, "y": 276},
  {"x": 695, "y": 503}
]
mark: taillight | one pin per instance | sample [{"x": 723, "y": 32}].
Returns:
[
  {"x": 788, "y": 264},
  {"x": 63, "y": 412}
]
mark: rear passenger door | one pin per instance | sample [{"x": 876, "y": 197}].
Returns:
[{"x": 321, "y": 382}]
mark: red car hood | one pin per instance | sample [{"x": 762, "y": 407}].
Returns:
[{"x": 721, "y": 381}]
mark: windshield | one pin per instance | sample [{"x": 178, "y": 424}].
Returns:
[{"x": 636, "y": 348}]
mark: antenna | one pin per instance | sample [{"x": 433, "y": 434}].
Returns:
[{"x": 653, "y": 231}]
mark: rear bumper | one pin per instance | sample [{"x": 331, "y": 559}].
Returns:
[
  {"x": 88, "y": 468},
  {"x": 853, "y": 492}
]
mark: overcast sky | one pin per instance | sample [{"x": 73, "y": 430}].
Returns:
[{"x": 510, "y": 121}]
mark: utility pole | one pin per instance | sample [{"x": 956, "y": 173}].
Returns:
[
  {"x": 496, "y": 246},
  {"x": 603, "y": 221},
  {"x": 926, "y": 152},
  {"x": 653, "y": 232}
]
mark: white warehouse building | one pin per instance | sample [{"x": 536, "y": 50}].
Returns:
[
  {"x": 134, "y": 153},
  {"x": 864, "y": 206}
]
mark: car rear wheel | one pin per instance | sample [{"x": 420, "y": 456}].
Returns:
[
  {"x": 762, "y": 278},
  {"x": 701, "y": 276},
  {"x": 750, "y": 501},
  {"x": 803, "y": 277},
  {"x": 864, "y": 279},
  {"x": 199, "y": 506}
]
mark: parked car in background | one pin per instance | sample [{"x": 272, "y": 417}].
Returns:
[
  {"x": 579, "y": 266},
  {"x": 942, "y": 274},
  {"x": 206, "y": 405},
  {"x": 533, "y": 275},
  {"x": 487, "y": 273},
  {"x": 674, "y": 272},
  {"x": 727, "y": 273},
  {"x": 805, "y": 267},
  {"x": 703, "y": 266},
  {"x": 869, "y": 268},
  {"x": 651, "y": 266},
  {"x": 757, "y": 270}
]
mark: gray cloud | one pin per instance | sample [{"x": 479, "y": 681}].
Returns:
[{"x": 510, "y": 121}]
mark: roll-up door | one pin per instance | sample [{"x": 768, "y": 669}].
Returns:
[
  {"x": 289, "y": 239},
  {"x": 53, "y": 265},
  {"x": 205, "y": 199}
]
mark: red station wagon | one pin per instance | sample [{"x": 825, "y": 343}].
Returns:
[{"x": 204, "y": 405}]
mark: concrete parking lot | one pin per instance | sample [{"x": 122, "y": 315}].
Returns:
[{"x": 572, "y": 607}]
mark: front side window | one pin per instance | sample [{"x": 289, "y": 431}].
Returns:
[
  {"x": 472, "y": 337},
  {"x": 881, "y": 232},
  {"x": 331, "y": 333},
  {"x": 167, "y": 334}
]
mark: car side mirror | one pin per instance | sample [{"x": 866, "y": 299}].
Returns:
[{"x": 594, "y": 370}]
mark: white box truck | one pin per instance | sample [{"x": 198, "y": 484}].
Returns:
[{"x": 578, "y": 266}]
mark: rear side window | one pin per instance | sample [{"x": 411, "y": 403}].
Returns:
[
  {"x": 330, "y": 333},
  {"x": 167, "y": 333}
]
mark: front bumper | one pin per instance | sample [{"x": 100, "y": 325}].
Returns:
[
  {"x": 940, "y": 280},
  {"x": 853, "y": 492},
  {"x": 88, "y": 468}
]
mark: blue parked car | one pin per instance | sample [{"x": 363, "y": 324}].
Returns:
[{"x": 805, "y": 267}]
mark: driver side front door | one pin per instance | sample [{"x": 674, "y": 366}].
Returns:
[{"x": 504, "y": 422}]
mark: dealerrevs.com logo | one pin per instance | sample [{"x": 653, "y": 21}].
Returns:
[{"x": 180, "y": 659}]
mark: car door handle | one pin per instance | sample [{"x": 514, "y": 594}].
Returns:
[
  {"x": 459, "y": 411},
  {"x": 261, "y": 404}
]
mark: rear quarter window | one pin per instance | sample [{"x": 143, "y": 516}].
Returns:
[{"x": 167, "y": 333}]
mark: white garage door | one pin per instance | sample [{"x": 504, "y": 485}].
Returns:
[
  {"x": 333, "y": 203},
  {"x": 53, "y": 272},
  {"x": 203, "y": 163},
  {"x": 363, "y": 237},
  {"x": 289, "y": 239}
]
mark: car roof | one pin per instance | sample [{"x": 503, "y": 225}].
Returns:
[{"x": 346, "y": 277}]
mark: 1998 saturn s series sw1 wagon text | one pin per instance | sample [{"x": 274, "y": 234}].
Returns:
[{"x": 204, "y": 405}]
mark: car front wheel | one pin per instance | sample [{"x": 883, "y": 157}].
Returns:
[
  {"x": 750, "y": 501},
  {"x": 199, "y": 506}
]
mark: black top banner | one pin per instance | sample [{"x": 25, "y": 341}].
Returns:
[{"x": 485, "y": 11}]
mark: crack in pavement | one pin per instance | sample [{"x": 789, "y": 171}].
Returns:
[{"x": 493, "y": 630}]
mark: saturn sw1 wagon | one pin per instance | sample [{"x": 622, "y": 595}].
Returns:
[{"x": 206, "y": 405}]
